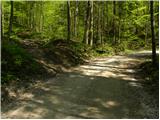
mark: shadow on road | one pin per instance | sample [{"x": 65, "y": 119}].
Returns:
[{"x": 77, "y": 94}]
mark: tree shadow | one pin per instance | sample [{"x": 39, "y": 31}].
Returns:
[
  {"x": 77, "y": 95},
  {"x": 74, "y": 95}
]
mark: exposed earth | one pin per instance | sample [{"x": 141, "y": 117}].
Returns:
[{"x": 105, "y": 87}]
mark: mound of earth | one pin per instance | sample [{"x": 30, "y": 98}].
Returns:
[
  {"x": 66, "y": 53},
  {"x": 26, "y": 61}
]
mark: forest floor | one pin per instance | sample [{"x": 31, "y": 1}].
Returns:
[{"x": 105, "y": 87}]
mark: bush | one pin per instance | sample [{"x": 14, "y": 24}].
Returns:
[
  {"x": 16, "y": 62},
  {"x": 136, "y": 44},
  {"x": 102, "y": 50},
  {"x": 119, "y": 48}
]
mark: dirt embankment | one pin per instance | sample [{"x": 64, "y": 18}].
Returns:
[{"x": 30, "y": 60}]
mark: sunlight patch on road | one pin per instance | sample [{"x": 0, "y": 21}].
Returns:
[
  {"x": 26, "y": 96},
  {"x": 134, "y": 84},
  {"x": 111, "y": 60},
  {"x": 130, "y": 70},
  {"x": 110, "y": 104},
  {"x": 26, "y": 112},
  {"x": 54, "y": 99},
  {"x": 129, "y": 78},
  {"x": 93, "y": 67}
]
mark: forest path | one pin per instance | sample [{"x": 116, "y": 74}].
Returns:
[{"x": 107, "y": 87}]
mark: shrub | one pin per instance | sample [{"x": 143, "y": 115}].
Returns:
[{"x": 16, "y": 62}]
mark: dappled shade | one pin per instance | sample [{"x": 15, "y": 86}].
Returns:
[{"x": 84, "y": 94}]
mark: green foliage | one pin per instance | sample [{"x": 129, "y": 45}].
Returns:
[
  {"x": 48, "y": 19},
  {"x": 16, "y": 62},
  {"x": 120, "y": 48},
  {"x": 102, "y": 50},
  {"x": 7, "y": 77},
  {"x": 136, "y": 44}
]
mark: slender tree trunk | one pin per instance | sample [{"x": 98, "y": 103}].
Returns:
[
  {"x": 153, "y": 34},
  {"x": 1, "y": 21},
  {"x": 102, "y": 23},
  {"x": 114, "y": 28},
  {"x": 42, "y": 22},
  {"x": 136, "y": 19},
  {"x": 146, "y": 27},
  {"x": 98, "y": 25},
  {"x": 146, "y": 35},
  {"x": 119, "y": 26},
  {"x": 75, "y": 19},
  {"x": 68, "y": 20},
  {"x": 30, "y": 14},
  {"x": 11, "y": 20},
  {"x": 107, "y": 20},
  {"x": 92, "y": 5},
  {"x": 86, "y": 31},
  {"x": 94, "y": 23},
  {"x": 91, "y": 24},
  {"x": 41, "y": 16}
]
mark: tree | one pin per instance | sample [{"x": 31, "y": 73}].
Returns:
[
  {"x": 98, "y": 23},
  {"x": 86, "y": 28},
  {"x": 75, "y": 19},
  {"x": 69, "y": 20},
  {"x": 91, "y": 24},
  {"x": 114, "y": 27},
  {"x": 1, "y": 21},
  {"x": 153, "y": 34},
  {"x": 11, "y": 20},
  {"x": 119, "y": 26}
]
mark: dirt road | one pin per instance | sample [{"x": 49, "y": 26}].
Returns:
[{"x": 107, "y": 87}]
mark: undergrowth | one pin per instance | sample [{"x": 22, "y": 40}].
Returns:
[
  {"x": 16, "y": 63},
  {"x": 150, "y": 74}
]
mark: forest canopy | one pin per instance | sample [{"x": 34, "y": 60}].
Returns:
[{"x": 93, "y": 22}]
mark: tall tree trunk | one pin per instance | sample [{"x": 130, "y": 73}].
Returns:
[
  {"x": 153, "y": 34},
  {"x": 137, "y": 18},
  {"x": 11, "y": 20},
  {"x": 146, "y": 27},
  {"x": 75, "y": 19},
  {"x": 91, "y": 24},
  {"x": 107, "y": 19},
  {"x": 146, "y": 31},
  {"x": 119, "y": 26},
  {"x": 1, "y": 22},
  {"x": 42, "y": 17},
  {"x": 102, "y": 23},
  {"x": 86, "y": 31},
  {"x": 68, "y": 20},
  {"x": 98, "y": 25},
  {"x": 114, "y": 28}
]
